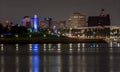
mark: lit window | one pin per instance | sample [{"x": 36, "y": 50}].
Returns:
[{"x": 76, "y": 16}]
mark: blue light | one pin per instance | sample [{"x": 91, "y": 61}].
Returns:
[
  {"x": 35, "y": 49},
  {"x": 94, "y": 44},
  {"x": 22, "y": 20},
  {"x": 36, "y": 62},
  {"x": 36, "y": 20},
  {"x": 35, "y": 58}
]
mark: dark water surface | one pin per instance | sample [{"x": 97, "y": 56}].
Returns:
[{"x": 80, "y": 57}]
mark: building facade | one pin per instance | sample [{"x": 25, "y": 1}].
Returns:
[
  {"x": 99, "y": 21},
  {"x": 44, "y": 24},
  {"x": 102, "y": 20},
  {"x": 48, "y": 23},
  {"x": 62, "y": 25},
  {"x": 27, "y": 21},
  {"x": 53, "y": 23},
  {"x": 77, "y": 20}
]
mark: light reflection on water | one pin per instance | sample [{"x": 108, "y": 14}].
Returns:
[
  {"x": 35, "y": 59},
  {"x": 2, "y": 63},
  {"x": 35, "y": 63},
  {"x": 17, "y": 64},
  {"x": 79, "y": 57}
]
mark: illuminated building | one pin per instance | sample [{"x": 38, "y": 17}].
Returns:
[
  {"x": 102, "y": 20},
  {"x": 35, "y": 23},
  {"x": 77, "y": 20},
  {"x": 98, "y": 21},
  {"x": 55, "y": 23},
  {"x": 31, "y": 22},
  {"x": 49, "y": 21},
  {"x": 62, "y": 25},
  {"x": 44, "y": 24},
  {"x": 27, "y": 21}
]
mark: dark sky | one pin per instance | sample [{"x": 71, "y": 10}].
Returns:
[{"x": 58, "y": 9}]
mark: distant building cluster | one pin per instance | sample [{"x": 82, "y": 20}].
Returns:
[
  {"x": 46, "y": 23},
  {"x": 77, "y": 26},
  {"x": 78, "y": 20},
  {"x": 75, "y": 20}
]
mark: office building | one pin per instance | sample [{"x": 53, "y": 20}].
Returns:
[
  {"x": 102, "y": 20},
  {"x": 98, "y": 21},
  {"x": 27, "y": 21},
  {"x": 77, "y": 20},
  {"x": 44, "y": 24},
  {"x": 49, "y": 21},
  {"x": 62, "y": 25}
]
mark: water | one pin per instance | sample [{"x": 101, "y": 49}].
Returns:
[{"x": 79, "y": 57}]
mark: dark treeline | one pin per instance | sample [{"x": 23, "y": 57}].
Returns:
[{"x": 12, "y": 29}]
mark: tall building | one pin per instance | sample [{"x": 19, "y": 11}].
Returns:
[
  {"x": 49, "y": 21},
  {"x": 58, "y": 24},
  {"x": 27, "y": 21},
  {"x": 55, "y": 23},
  {"x": 62, "y": 25},
  {"x": 102, "y": 20},
  {"x": 44, "y": 24},
  {"x": 77, "y": 20},
  {"x": 98, "y": 21}
]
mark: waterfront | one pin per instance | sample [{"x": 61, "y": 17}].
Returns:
[{"x": 72, "y": 57}]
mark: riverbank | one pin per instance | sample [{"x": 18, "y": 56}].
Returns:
[{"x": 49, "y": 40}]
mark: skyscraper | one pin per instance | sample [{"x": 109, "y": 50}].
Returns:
[
  {"x": 44, "y": 24},
  {"x": 49, "y": 20},
  {"x": 102, "y": 20},
  {"x": 62, "y": 24},
  {"x": 26, "y": 21},
  {"x": 77, "y": 20}
]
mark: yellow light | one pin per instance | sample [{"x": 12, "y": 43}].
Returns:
[
  {"x": 16, "y": 35},
  {"x": 70, "y": 45},
  {"x": 2, "y": 48},
  {"x": 44, "y": 47},
  {"x": 44, "y": 35},
  {"x": 30, "y": 47},
  {"x": 17, "y": 47},
  {"x": 49, "y": 45},
  {"x": 30, "y": 36},
  {"x": 59, "y": 32},
  {"x": 2, "y": 35},
  {"x": 59, "y": 47}
]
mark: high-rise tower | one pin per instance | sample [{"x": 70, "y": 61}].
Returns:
[{"x": 77, "y": 20}]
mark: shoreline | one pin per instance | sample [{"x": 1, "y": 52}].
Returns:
[{"x": 50, "y": 40}]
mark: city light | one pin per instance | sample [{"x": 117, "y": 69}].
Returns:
[
  {"x": 35, "y": 61},
  {"x": 35, "y": 23},
  {"x": 35, "y": 47}
]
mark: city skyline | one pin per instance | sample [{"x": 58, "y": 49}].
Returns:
[{"x": 61, "y": 10}]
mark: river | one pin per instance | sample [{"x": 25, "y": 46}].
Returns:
[{"x": 72, "y": 57}]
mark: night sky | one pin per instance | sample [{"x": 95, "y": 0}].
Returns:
[{"x": 58, "y": 9}]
